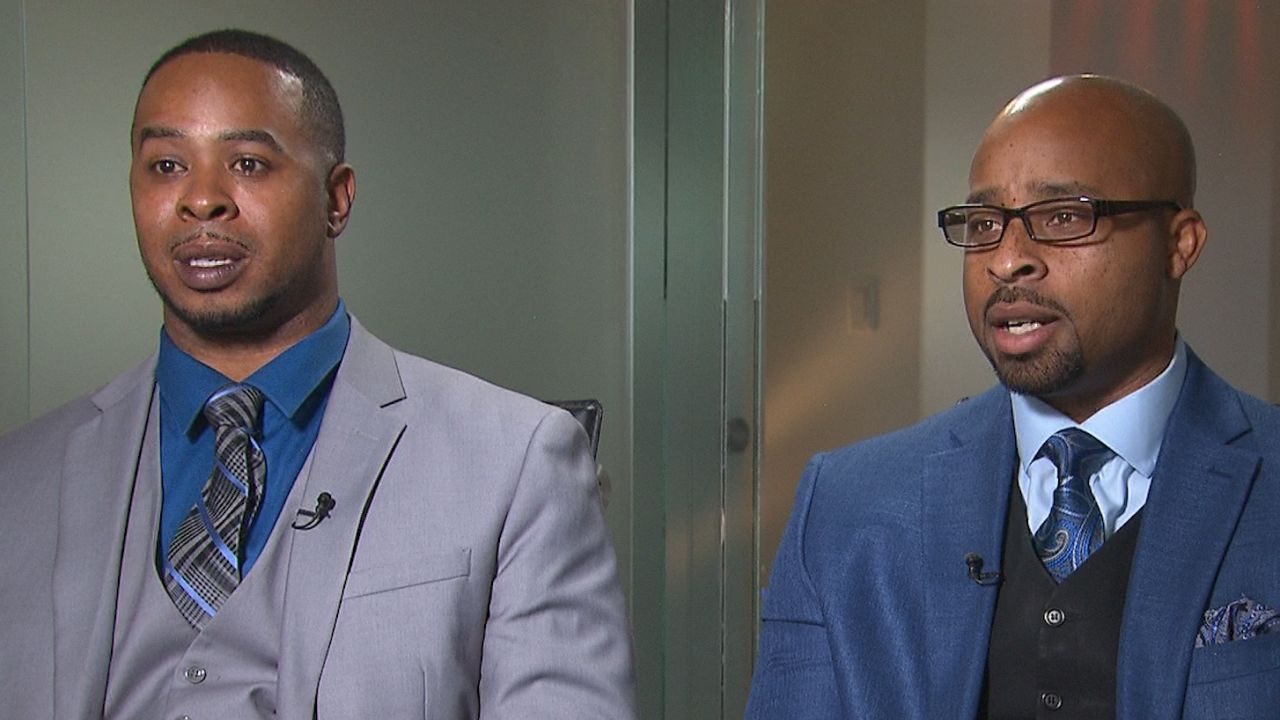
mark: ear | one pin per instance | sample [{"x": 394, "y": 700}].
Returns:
[
  {"x": 341, "y": 187},
  {"x": 1186, "y": 240}
]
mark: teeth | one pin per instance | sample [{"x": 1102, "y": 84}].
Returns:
[
  {"x": 209, "y": 262},
  {"x": 1022, "y": 328}
]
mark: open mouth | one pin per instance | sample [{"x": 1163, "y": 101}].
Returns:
[
  {"x": 209, "y": 262},
  {"x": 1022, "y": 327}
]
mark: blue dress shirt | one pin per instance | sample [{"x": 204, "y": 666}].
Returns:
[
  {"x": 1133, "y": 427},
  {"x": 296, "y": 384}
]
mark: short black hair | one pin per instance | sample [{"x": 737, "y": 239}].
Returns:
[{"x": 320, "y": 106}]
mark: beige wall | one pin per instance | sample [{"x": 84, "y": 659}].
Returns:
[
  {"x": 844, "y": 114},
  {"x": 1219, "y": 68},
  {"x": 874, "y": 116},
  {"x": 966, "y": 83}
]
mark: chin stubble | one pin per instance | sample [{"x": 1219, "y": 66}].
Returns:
[
  {"x": 1042, "y": 373},
  {"x": 222, "y": 322}
]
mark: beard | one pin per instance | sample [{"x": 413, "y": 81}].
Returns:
[
  {"x": 261, "y": 312},
  {"x": 1042, "y": 373},
  {"x": 243, "y": 319},
  {"x": 1039, "y": 375},
  {"x": 226, "y": 321}
]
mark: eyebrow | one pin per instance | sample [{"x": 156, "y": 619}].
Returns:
[
  {"x": 250, "y": 135},
  {"x": 1042, "y": 190},
  {"x": 151, "y": 133},
  {"x": 235, "y": 135}
]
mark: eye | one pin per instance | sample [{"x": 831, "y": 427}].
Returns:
[
  {"x": 1066, "y": 217},
  {"x": 166, "y": 167},
  {"x": 249, "y": 166},
  {"x": 983, "y": 225}
]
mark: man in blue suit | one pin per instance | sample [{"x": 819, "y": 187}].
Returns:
[{"x": 1097, "y": 536}]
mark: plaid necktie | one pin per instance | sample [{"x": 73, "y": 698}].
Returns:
[
  {"x": 202, "y": 566},
  {"x": 1074, "y": 526}
]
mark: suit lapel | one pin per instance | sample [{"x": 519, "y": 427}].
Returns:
[
  {"x": 965, "y": 498},
  {"x": 1197, "y": 494},
  {"x": 357, "y": 437},
  {"x": 98, "y": 477}
]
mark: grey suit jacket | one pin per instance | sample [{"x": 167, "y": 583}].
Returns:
[{"x": 465, "y": 571}]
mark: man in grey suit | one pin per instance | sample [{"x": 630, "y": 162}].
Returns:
[{"x": 277, "y": 514}]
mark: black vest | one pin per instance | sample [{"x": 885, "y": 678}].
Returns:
[{"x": 1053, "y": 647}]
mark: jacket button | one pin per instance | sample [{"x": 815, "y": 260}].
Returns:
[
  {"x": 1053, "y": 617},
  {"x": 195, "y": 674},
  {"x": 1051, "y": 701}
]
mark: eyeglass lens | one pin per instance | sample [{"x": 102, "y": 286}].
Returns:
[{"x": 1052, "y": 220}]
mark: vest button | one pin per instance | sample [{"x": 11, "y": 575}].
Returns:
[
  {"x": 195, "y": 675},
  {"x": 1053, "y": 617},
  {"x": 1051, "y": 701}
]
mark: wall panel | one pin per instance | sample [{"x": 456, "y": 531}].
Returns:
[
  {"x": 13, "y": 220},
  {"x": 490, "y": 225}
]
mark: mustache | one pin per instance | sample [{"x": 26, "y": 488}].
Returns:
[
  {"x": 1010, "y": 294},
  {"x": 177, "y": 242}
]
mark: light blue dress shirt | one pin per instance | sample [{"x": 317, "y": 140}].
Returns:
[{"x": 1133, "y": 427}]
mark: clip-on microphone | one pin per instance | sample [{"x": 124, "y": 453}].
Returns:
[
  {"x": 973, "y": 561},
  {"x": 324, "y": 503}
]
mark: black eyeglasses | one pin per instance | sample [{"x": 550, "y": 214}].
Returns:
[{"x": 1048, "y": 221}]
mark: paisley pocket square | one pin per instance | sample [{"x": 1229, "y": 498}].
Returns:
[{"x": 1237, "y": 620}]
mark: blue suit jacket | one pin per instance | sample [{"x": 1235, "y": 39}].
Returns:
[{"x": 870, "y": 612}]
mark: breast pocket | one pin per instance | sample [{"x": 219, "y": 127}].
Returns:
[
  {"x": 429, "y": 567},
  {"x": 1239, "y": 680}
]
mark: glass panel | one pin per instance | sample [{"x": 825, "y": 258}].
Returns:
[
  {"x": 13, "y": 222},
  {"x": 743, "y": 250}
]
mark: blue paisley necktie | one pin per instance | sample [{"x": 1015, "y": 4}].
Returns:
[
  {"x": 202, "y": 565},
  {"x": 1074, "y": 528}
]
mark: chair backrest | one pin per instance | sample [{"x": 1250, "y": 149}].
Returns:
[{"x": 590, "y": 413}]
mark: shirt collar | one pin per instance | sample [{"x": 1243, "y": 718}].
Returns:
[
  {"x": 1132, "y": 426},
  {"x": 287, "y": 381}
]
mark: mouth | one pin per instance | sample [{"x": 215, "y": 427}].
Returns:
[
  {"x": 1022, "y": 322},
  {"x": 212, "y": 262},
  {"x": 1022, "y": 337},
  {"x": 1021, "y": 327},
  {"x": 207, "y": 263}
]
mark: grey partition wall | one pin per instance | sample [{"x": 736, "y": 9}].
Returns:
[
  {"x": 490, "y": 228},
  {"x": 490, "y": 224},
  {"x": 13, "y": 221}
]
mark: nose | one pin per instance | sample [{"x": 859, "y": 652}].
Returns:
[
  {"x": 1017, "y": 258},
  {"x": 206, "y": 198}
]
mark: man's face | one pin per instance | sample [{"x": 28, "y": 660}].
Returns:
[
  {"x": 1082, "y": 323},
  {"x": 234, "y": 205}
]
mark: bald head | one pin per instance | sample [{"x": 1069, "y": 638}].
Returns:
[
  {"x": 1082, "y": 321},
  {"x": 1137, "y": 141}
]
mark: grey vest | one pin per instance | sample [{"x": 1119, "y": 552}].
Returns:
[{"x": 160, "y": 666}]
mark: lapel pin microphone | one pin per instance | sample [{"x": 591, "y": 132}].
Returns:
[
  {"x": 324, "y": 504},
  {"x": 973, "y": 561}
]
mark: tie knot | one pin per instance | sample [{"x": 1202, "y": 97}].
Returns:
[
  {"x": 234, "y": 406},
  {"x": 1075, "y": 453}
]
